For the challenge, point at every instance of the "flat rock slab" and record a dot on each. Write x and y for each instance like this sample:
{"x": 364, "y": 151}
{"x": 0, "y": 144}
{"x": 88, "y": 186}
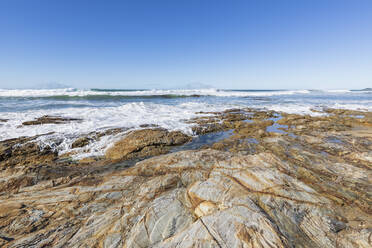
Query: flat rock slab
{"x": 202, "y": 198}
{"x": 47, "y": 119}
{"x": 146, "y": 142}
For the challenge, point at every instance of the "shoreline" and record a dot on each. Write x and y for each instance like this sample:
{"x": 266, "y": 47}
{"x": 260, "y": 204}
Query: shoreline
{"x": 294, "y": 180}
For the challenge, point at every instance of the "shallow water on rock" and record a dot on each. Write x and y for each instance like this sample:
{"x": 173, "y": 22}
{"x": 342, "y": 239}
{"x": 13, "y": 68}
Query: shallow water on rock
{"x": 196, "y": 143}
{"x": 334, "y": 140}
{"x": 205, "y": 139}
{"x": 275, "y": 128}
{"x": 357, "y": 116}
{"x": 252, "y": 141}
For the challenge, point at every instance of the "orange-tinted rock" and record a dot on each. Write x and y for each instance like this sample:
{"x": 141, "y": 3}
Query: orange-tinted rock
{"x": 142, "y": 143}
{"x": 253, "y": 189}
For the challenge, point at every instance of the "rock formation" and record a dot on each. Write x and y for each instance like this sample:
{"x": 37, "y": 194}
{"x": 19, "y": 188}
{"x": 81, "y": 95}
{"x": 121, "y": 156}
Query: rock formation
{"x": 279, "y": 180}
{"x": 144, "y": 143}
{"x": 46, "y": 119}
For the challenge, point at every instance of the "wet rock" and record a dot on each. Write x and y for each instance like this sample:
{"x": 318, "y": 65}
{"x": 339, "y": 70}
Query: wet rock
{"x": 148, "y": 125}
{"x": 47, "y": 119}
{"x": 81, "y": 142}
{"x": 111, "y": 131}
{"x": 146, "y": 142}
{"x": 94, "y": 137}
{"x": 219, "y": 121}
{"x": 24, "y": 151}
{"x": 207, "y": 128}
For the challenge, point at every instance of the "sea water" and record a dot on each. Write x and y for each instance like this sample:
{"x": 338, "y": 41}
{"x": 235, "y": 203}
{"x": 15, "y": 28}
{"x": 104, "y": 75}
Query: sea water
{"x": 102, "y": 109}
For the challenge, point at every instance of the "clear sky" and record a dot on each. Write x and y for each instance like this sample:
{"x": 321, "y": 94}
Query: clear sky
{"x": 260, "y": 44}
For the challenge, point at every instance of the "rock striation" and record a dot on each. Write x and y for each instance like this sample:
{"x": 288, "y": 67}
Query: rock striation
{"x": 270, "y": 184}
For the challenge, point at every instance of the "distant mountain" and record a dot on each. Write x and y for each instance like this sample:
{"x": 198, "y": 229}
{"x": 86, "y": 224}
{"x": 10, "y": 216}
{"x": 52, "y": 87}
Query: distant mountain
{"x": 197, "y": 86}
{"x": 51, "y": 85}
{"x": 365, "y": 89}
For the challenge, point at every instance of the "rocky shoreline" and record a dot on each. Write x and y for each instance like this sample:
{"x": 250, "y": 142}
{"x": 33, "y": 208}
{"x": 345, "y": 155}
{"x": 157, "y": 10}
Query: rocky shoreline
{"x": 257, "y": 179}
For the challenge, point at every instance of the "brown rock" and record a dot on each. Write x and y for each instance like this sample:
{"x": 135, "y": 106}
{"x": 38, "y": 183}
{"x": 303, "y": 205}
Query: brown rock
{"x": 23, "y": 151}
{"x": 47, "y": 119}
{"x": 81, "y": 142}
{"x": 207, "y": 128}
{"x": 257, "y": 190}
{"x": 145, "y": 142}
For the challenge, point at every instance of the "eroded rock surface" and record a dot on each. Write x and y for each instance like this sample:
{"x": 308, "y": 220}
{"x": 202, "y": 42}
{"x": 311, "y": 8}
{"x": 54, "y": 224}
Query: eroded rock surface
{"x": 279, "y": 180}
{"x": 94, "y": 137}
{"x": 144, "y": 143}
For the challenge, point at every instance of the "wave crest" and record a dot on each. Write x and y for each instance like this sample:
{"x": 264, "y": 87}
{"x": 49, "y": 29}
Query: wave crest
{"x": 106, "y": 93}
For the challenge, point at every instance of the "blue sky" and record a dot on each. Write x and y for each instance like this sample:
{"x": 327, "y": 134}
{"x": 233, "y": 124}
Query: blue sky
{"x": 259, "y": 44}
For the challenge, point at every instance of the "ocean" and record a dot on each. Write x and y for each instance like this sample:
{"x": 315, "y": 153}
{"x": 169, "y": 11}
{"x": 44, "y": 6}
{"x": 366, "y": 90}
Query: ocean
{"x": 103, "y": 109}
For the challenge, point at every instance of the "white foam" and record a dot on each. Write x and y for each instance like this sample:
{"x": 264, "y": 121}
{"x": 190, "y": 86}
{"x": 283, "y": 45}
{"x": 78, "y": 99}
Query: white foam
{"x": 178, "y": 92}
{"x": 346, "y": 91}
{"x": 37, "y": 92}
{"x": 295, "y": 109}
{"x": 130, "y": 115}
{"x": 338, "y": 91}
{"x": 352, "y": 106}
{"x": 306, "y": 109}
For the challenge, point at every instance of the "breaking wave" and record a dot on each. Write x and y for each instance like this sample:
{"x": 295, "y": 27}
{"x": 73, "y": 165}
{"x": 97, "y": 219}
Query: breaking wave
{"x": 92, "y": 94}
